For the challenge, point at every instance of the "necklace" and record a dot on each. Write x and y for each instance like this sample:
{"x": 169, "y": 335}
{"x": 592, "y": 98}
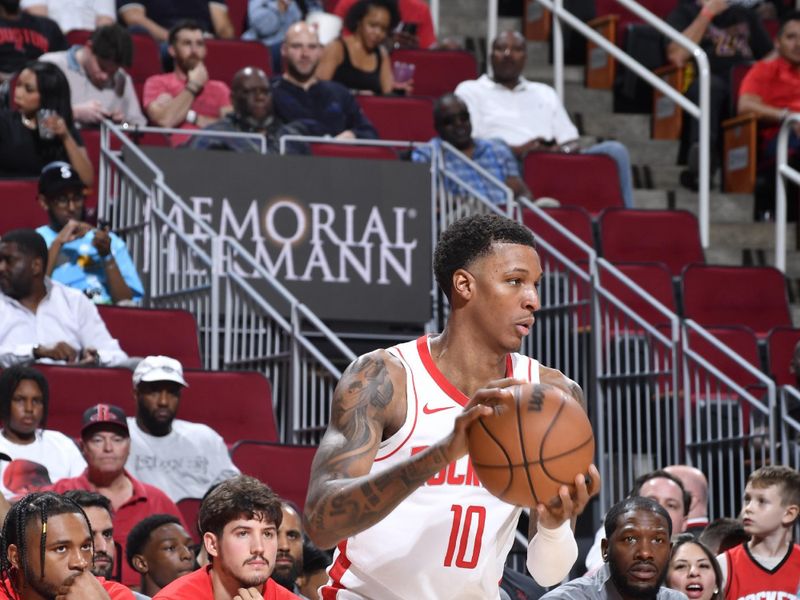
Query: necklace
{"x": 29, "y": 123}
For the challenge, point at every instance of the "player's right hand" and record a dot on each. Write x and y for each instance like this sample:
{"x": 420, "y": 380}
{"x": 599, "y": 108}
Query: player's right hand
{"x": 198, "y": 75}
{"x": 73, "y": 230}
{"x": 480, "y": 405}
{"x": 248, "y": 594}
{"x": 83, "y": 586}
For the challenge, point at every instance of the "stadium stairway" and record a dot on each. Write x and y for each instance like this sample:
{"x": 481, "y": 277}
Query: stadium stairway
{"x": 735, "y": 239}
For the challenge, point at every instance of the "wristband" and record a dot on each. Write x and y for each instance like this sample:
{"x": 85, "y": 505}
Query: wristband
{"x": 194, "y": 92}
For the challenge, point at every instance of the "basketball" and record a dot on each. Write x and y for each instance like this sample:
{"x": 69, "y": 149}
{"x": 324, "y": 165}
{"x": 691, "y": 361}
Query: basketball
{"x": 532, "y": 445}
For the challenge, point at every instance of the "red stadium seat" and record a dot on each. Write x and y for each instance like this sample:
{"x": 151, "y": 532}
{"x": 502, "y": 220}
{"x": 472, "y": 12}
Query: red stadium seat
{"x": 353, "y": 151}
{"x": 438, "y": 71}
{"x": 74, "y": 389}
{"x": 587, "y": 180}
{"x": 398, "y": 118}
{"x": 753, "y": 297}
{"x": 780, "y": 350}
{"x": 190, "y": 508}
{"x": 236, "y": 404}
{"x": 573, "y": 218}
{"x": 656, "y": 280}
{"x": 21, "y": 209}
{"x": 237, "y": 11}
{"x": 144, "y": 331}
{"x": 78, "y": 37}
{"x": 741, "y": 340}
{"x": 226, "y": 57}
{"x": 671, "y": 237}
{"x": 286, "y": 469}
{"x": 146, "y": 58}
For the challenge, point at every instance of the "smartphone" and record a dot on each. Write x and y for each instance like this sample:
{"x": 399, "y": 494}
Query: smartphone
{"x": 410, "y": 28}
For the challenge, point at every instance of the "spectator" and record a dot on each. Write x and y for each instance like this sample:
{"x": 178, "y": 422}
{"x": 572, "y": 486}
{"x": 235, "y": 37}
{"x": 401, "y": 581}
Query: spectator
{"x": 160, "y": 550}
{"x": 40, "y": 531}
{"x": 270, "y": 19}
{"x": 74, "y": 14}
{"x": 41, "y": 319}
{"x": 451, "y": 119}
{"x": 359, "y": 61}
{"x": 239, "y": 521}
{"x": 158, "y": 18}
{"x": 723, "y": 534}
{"x": 186, "y": 98}
{"x": 251, "y": 96}
{"x": 105, "y": 443}
{"x": 41, "y": 129}
{"x": 46, "y": 454}
{"x": 529, "y": 116}
{"x": 417, "y": 31}
{"x": 729, "y": 35}
{"x": 98, "y": 510}
{"x": 325, "y": 107}
{"x": 695, "y": 483}
{"x": 635, "y": 552}
{"x": 25, "y": 37}
{"x": 768, "y": 564}
{"x": 315, "y": 574}
{"x": 182, "y": 458}
{"x": 693, "y": 570}
{"x": 289, "y": 557}
{"x": 95, "y": 261}
{"x": 99, "y": 87}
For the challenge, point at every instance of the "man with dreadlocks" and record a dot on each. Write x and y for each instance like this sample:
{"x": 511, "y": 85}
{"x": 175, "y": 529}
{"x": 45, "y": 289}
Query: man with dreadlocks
{"x": 46, "y": 553}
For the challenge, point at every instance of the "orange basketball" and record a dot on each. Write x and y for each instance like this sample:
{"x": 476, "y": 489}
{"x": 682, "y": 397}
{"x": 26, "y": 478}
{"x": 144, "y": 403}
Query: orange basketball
{"x": 532, "y": 445}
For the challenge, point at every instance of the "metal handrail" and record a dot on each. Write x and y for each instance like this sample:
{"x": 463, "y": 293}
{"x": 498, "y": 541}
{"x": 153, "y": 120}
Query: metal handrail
{"x": 783, "y": 170}
{"x": 256, "y": 137}
{"x": 321, "y": 139}
{"x": 700, "y": 112}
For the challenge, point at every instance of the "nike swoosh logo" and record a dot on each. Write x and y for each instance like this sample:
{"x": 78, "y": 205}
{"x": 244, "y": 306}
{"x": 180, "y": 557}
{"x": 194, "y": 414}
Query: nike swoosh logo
{"x": 429, "y": 411}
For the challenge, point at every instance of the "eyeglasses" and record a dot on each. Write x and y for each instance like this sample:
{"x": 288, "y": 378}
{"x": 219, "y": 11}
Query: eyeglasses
{"x": 65, "y": 200}
{"x": 462, "y": 117}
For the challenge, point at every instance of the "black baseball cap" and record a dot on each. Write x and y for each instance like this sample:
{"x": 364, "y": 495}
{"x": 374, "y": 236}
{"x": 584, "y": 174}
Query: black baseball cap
{"x": 104, "y": 414}
{"x": 58, "y": 176}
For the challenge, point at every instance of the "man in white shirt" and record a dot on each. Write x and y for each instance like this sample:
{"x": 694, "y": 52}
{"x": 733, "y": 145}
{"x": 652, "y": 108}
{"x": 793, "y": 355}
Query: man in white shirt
{"x": 183, "y": 459}
{"x": 99, "y": 86}
{"x": 37, "y": 456}
{"x": 73, "y": 14}
{"x": 42, "y": 319}
{"x": 529, "y": 116}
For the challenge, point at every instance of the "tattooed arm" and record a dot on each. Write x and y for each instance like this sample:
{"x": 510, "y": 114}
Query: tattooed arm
{"x": 369, "y": 404}
{"x": 561, "y": 381}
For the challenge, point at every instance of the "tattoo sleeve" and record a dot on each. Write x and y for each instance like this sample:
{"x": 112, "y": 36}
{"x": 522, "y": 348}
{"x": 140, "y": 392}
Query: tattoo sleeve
{"x": 343, "y": 497}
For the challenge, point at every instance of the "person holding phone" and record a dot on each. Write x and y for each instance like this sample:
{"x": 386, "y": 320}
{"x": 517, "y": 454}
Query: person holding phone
{"x": 360, "y": 62}
{"x": 417, "y": 29}
{"x": 93, "y": 260}
{"x": 41, "y": 128}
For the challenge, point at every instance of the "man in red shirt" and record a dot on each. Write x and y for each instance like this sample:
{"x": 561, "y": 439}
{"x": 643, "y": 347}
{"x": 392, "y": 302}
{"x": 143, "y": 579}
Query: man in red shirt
{"x": 186, "y": 98}
{"x": 411, "y": 11}
{"x": 239, "y": 521}
{"x": 46, "y": 552}
{"x": 105, "y": 444}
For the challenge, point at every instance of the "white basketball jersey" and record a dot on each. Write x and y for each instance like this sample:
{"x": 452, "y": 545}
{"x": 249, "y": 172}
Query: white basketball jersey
{"x": 450, "y": 537}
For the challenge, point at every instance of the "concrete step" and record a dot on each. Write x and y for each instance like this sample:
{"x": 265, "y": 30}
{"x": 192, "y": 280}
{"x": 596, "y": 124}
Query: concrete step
{"x": 752, "y": 236}
{"x": 617, "y": 126}
{"x": 594, "y": 104}
{"x": 656, "y": 153}
{"x": 544, "y": 73}
{"x": 725, "y": 208}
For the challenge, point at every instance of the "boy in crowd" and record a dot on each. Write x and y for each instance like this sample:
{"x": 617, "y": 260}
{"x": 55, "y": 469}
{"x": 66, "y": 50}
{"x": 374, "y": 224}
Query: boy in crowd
{"x": 160, "y": 550}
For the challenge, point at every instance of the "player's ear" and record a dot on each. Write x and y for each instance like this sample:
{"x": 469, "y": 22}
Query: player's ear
{"x": 790, "y": 516}
{"x": 604, "y": 549}
{"x": 13, "y": 555}
{"x": 140, "y": 564}
{"x": 211, "y": 544}
{"x": 463, "y": 284}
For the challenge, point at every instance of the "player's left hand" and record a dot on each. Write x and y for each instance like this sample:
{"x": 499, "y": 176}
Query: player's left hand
{"x": 83, "y": 586}
{"x": 248, "y": 594}
{"x": 567, "y": 506}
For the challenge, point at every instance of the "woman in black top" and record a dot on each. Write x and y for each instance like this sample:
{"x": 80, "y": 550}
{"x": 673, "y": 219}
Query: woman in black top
{"x": 23, "y": 150}
{"x": 359, "y": 61}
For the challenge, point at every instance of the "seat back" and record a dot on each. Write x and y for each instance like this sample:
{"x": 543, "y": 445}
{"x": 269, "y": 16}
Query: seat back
{"x": 190, "y": 508}
{"x": 573, "y": 218}
{"x": 671, "y": 237}
{"x": 78, "y": 37}
{"x": 20, "y": 207}
{"x": 145, "y": 331}
{"x": 587, "y": 180}
{"x": 398, "y": 118}
{"x": 438, "y": 71}
{"x": 738, "y": 73}
{"x": 225, "y": 57}
{"x": 754, "y": 297}
{"x": 236, "y": 404}
{"x": 655, "y": 278}
{"x": 237, "y": 11}
{"x": 353, "y": 151}
{"x": 781, "y": 343}
{"x": 146, "y": 59}
{"x": 286, "y": 469}
{"x": 741, "y": 340}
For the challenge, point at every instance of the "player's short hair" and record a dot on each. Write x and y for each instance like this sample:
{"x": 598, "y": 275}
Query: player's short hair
{"x": 240, "y": 497}
{"x": 792, "y": 15}
{"x": 786, "y": 478}
{"x": 359, "y": 10}
{"x": 470, "y": 238}
{"x": 10, "y": 379}
{"x": 140, "y": 534}
{"x": 87, "y": 499}
{"x": 114, "y": 43}
{"x": 182, "y": 25}
{"x": 633, "y": 503}
{"x": 659, "y": 474}
{"x": 723, "y": 534}
{"x": 29, "y": 242}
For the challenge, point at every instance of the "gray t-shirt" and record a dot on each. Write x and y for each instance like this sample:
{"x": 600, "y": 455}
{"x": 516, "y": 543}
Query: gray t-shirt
{"x": 600, "y": 587}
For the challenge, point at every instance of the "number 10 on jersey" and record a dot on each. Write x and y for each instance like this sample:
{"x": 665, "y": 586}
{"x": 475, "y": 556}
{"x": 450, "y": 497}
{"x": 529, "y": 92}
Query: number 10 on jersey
{"x": 466, "y": 534}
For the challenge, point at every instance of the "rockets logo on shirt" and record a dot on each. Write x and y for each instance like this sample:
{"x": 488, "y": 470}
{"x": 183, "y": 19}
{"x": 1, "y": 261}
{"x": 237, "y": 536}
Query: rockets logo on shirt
{"x": 454, "y": 474}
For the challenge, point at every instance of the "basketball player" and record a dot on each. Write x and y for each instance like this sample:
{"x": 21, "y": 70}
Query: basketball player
{"x": 391, "y": 483}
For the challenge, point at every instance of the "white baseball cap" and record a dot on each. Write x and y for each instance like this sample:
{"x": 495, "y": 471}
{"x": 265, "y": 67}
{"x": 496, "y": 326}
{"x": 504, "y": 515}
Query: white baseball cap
{"x": 159, "y": 368}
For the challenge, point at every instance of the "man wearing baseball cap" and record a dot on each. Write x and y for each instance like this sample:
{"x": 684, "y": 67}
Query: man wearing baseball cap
{"x": 95, "y": 261}
{"x": 180, "y": 457}
{"x": 105, "y": 443}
